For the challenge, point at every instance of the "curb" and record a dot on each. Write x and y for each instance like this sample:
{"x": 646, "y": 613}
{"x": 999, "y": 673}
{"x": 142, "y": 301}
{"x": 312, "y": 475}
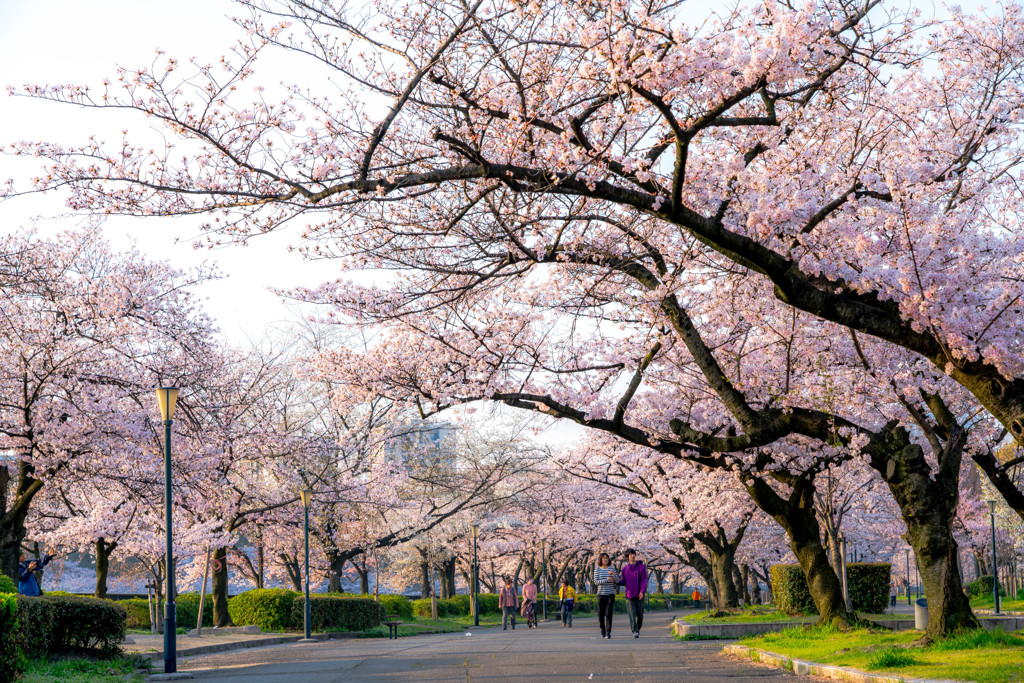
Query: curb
{"x": 742, "y": 630}
{"x": 246, "y": 645}
{"x": 837, "y": 673}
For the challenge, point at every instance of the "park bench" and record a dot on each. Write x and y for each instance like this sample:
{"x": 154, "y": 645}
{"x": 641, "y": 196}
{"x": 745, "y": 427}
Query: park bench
{"x": 392, "y": 625}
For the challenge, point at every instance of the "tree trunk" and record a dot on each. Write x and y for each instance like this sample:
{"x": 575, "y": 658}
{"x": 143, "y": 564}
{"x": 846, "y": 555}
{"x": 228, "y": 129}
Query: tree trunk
{"x": 260, "y": 565}
{"x": 219, "y": 588}
{"x": 722, "y": 565}
{"x": 659, "y": 579}
{"x": 675, "y": 583}
{"x": 293, "y": 570}
{"x": 103, "y": 552}
{"x": 796, "y": 515}
{"x": 426, "y": 589}
{"x": 928, "y": 501}
{"x": 746, "y": 585}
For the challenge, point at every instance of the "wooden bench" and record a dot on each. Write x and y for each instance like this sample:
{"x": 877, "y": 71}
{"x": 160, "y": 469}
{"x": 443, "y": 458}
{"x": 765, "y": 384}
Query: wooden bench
{"x": 392, "y": 628}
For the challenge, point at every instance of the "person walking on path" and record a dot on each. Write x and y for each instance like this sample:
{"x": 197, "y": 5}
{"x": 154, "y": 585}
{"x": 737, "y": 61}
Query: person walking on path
{"x": 507, "y": 603}
{"x": 529, "y": 609}
{"x": 566, "y": 601}
{"x": 606, "y": 580}
{"x": 634, "y": 578}
{"x": 893, "y": 592}
{"x": 27, "y": 584}
{"x": 696, "y": 598}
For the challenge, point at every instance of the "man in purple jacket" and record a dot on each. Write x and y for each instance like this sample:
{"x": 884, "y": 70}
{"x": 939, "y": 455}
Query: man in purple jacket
{"x": 634, "y": 578}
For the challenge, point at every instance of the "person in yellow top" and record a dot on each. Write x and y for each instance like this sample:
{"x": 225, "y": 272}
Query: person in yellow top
{"x": 567, "y": 598}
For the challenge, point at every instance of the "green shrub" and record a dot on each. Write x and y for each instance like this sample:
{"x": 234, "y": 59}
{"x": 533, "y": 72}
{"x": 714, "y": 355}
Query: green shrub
{"x": 86, "y": 624}
{"x": 188, "y": 610}
{"x": 398, "y": 605}
{"x": 789, "y": 586}
{"x": 8, "y": 585}
{"x": 981, "y": 586}
{"x": 488, "y": 603}
{"x": 268, "y": 608}
{"x": 138, "y": 612}
{"x": 338, "y": 612}
{"x": 448, "y": 607}
{"x": 12, "y": 661}
{"x": 869, "y": 583}
{"x": 463, "y": 602}
{"x": 35, "y": 627}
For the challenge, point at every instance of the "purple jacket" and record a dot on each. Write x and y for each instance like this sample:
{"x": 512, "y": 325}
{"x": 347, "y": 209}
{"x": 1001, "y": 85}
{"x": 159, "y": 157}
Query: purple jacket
{"x": 634, "y": 578}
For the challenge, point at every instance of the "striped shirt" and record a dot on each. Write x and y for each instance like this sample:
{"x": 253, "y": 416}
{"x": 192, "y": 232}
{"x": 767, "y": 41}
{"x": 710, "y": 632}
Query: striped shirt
{"x": 605, "y": 579}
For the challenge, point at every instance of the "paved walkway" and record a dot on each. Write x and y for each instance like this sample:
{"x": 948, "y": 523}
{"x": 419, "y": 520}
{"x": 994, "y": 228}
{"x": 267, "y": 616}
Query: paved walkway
{"x": 549, "y": 653}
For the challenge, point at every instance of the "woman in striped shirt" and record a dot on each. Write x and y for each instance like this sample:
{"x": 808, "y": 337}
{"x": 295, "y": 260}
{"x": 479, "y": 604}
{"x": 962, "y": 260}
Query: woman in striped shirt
{"x": 606, "y": 580}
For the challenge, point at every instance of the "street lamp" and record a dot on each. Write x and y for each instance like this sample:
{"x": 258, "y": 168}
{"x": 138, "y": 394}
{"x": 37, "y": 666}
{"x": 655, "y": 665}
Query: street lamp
{"x": 544, "y": 578}
{"x": 306, "y": 495}
{"x": 995, "y": 570}
{"x": 167, "y": 399}
{"x": 476, "y": 578}
{"x": 908, "y": 577}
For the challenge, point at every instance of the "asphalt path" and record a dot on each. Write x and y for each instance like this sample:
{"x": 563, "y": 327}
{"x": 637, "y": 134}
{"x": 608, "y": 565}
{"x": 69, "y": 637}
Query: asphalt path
{"x": 547, "y": 653}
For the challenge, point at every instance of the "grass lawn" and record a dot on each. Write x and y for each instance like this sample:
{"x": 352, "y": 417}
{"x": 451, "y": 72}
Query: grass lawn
{"x": 81, "y": 670}
{"x": 1006, "y": 604}
{"x": 762, "y": 613}
{"x": 984, "y": 656}
{"x": 427, "y": 625}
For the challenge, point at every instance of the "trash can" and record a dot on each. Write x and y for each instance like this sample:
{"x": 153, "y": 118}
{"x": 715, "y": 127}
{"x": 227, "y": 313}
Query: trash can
{"x": 921, "y": 614}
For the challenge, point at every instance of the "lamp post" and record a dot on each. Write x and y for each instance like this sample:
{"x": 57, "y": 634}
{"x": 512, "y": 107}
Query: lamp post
{"x": 544, "y": 578}
{"x": 306, "y": 495}
{"x": 908, "y": 577}
{"x": 995, "y": 570}
{"x": 476, "y": 578}
{"x": 842, "y": 552}
{"x": 167, "y": 399}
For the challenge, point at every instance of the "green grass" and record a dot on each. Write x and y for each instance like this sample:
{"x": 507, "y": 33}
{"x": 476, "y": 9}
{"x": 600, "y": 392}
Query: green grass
{"x": 762, "y": 613}
{"x": 82, "y": 670}
{"x": 1006, "y": 604}
{"x": 419, "y": 625}
{"x": 984, "y": 656}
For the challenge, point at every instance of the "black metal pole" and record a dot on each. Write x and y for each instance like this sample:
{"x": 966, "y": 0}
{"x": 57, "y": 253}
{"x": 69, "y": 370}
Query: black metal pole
{"x": 476, "y": 585}
{"x": 995, "y": 570}
{"x": 544, "y": 578}
{"x": 170, "y": 623}
{"x": 305, "y": 527}
{"x": 908, "y": 576}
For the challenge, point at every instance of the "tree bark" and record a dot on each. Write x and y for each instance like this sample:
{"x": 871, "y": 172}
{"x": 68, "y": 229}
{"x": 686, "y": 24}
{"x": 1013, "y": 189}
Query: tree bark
{"x": 928, "y": 501}
{"x": 797, "y": 517}
{"x": 103, "y": 552}
{"x": 219, "y": 588}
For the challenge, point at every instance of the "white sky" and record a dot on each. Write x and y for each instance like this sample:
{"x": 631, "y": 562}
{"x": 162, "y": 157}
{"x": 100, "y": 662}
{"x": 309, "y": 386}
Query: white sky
{"x": 71, "y": 41}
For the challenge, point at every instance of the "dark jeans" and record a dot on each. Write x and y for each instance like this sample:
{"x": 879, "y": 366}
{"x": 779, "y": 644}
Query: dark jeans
{"x": 605, "y": 608}
{"x": 567, "y": 606}
{"x": 635, "y": 609}
{"x": 892, "y": 601}
{"x": 506, "y": 613}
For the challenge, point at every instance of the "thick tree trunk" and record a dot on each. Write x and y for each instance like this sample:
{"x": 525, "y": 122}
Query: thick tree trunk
{"x": 675, "y": 583}
{"x": 219, "y": 588}
{"x": 426, "y": 588}
{"x": 659, "y": 579}
{"x": 293, "y": 570}
{"x": 928, "y": 501}
{"x": 103, "y": 552}
{"x": 722, "y": 565}
{"x": 745, "y": 578}
{"x": 797, "y": 517}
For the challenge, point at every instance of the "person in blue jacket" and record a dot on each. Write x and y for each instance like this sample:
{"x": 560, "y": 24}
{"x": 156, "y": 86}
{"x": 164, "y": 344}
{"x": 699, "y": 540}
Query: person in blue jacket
{"x": 27, "y": 584}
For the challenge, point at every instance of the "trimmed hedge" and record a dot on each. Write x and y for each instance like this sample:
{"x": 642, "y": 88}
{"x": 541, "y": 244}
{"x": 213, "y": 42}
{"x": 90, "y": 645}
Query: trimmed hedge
{"x": 448, "y": 607}
{"x": 86, "y": 623}
{"x": 7, "y": 585}
{"x": 138, "y": 612}
{"x": 12, "y": 661}
{"x": 188, "y": 610}
{"x": 268, "y": 608}
{"x": 399, "y": 605}
{"x": 337, "y": 612}
{"x": 983, "y": 585}
{"x": 35, "y": 621}
{"x": 868, "y": 583}
{"x": 488, "y": 603}
{"x": 789, "y": 586}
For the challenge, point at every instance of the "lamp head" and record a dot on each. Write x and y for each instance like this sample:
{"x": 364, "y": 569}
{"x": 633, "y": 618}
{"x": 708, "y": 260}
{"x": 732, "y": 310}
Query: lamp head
{"x": 476, "y": 529}
{"x": 306, "y": 496}
{"x": 991, "y": 507}
{"x": 167, "y": 399}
